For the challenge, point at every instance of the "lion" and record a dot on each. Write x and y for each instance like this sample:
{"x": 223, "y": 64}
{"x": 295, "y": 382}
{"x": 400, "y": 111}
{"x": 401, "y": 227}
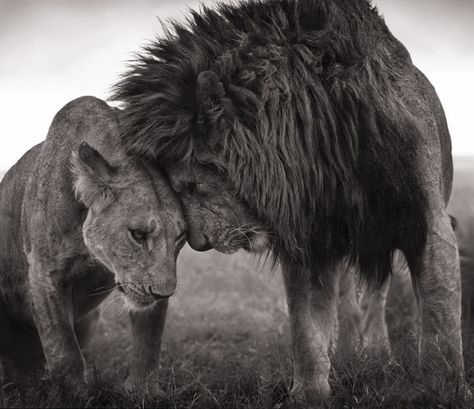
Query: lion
{"x": 79, "y": 219}
{"x": 303, "y": 128}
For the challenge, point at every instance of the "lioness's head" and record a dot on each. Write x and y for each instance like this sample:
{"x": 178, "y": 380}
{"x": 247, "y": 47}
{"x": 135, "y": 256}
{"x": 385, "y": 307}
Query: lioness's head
{"x": 216, "y": 217}
{"x": 134, "y": 224}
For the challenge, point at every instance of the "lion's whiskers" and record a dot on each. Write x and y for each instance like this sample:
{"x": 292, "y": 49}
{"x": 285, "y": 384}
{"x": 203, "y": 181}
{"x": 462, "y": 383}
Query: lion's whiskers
{"x": 240, "y": 235}
{"x": 257, "y": 229}
{"x": 238, "y": 232}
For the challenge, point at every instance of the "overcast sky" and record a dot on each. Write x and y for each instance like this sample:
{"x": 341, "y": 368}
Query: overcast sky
{"x": 52, "y": 51}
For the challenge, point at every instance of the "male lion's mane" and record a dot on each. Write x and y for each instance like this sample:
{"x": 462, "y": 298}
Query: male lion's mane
{"x": 309, "y": 124}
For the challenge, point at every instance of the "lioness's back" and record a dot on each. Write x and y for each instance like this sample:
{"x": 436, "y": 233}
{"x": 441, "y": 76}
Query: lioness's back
{"x": 13, "y": 265}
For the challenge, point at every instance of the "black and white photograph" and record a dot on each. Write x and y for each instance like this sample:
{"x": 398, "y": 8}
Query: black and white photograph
{"x": 226, "y": 204}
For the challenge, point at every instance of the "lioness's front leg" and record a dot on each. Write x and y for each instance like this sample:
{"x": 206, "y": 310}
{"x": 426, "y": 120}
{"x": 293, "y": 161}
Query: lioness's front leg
{"x": 53, "y": 316}
{"x": 438, "y": 282}
{"x": 312, "y": 309}
{"x": 147, "y": 330}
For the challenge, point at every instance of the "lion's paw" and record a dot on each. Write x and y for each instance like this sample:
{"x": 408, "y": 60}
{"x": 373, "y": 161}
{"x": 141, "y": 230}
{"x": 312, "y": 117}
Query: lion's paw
{"x": 312, "y": 397}
{"x": 76, "y": 386}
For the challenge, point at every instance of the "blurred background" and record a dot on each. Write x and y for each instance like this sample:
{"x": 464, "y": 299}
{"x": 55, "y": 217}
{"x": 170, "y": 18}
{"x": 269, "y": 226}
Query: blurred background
{"x": 227, "y": 331}
{"x": 52, "y": 51}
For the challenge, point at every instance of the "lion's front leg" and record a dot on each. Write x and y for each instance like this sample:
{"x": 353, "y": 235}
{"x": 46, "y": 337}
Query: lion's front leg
{"x": 312, "y": 311}
{"x": 438, "y": 283}
{"x": 375, "y": 331}
{"x": 53, "y": 316}
{"x": 147, "y": 330}
{"x": 349, "y": 314}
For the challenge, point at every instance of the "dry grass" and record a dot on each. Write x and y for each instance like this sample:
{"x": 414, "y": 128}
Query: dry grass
{"x": 226, "y": 345}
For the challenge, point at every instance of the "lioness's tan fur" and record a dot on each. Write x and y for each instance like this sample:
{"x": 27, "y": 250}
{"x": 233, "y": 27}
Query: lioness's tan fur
{"x": 62, "y": 252}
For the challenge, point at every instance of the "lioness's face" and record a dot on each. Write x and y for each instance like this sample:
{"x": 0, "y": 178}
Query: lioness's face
{"x": 134, "y": 226}
{"x": 216, "y": 217}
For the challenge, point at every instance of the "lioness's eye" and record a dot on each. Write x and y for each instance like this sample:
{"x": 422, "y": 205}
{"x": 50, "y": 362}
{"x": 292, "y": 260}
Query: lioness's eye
{"x": 200, "y": 188}
{"x": 181, "y": 239}
{"x": 137, "y": 236}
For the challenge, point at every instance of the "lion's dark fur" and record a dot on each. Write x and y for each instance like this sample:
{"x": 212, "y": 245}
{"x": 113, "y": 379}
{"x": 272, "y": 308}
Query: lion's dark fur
{"x": 310, "y": 126}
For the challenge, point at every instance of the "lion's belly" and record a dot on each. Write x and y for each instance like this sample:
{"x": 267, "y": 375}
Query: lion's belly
{"x": 90, "y": 290}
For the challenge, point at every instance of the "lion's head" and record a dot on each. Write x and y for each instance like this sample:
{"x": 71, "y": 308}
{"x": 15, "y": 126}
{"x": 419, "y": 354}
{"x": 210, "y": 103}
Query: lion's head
{"x": 134, "y": 224}
{"x": 216, "y": 217}
{"x": 299, "y": 118}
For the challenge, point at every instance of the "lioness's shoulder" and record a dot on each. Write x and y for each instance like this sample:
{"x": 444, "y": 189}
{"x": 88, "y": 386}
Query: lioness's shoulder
{"x": 85, "y": 107}
{"x": 84, "y": 119}
{"x": 49, "y": 193}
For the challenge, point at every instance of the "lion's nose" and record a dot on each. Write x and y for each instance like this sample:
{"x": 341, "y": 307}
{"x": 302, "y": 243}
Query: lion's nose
{"x": 160, "y": 295}
{"x": 199, "y": 242}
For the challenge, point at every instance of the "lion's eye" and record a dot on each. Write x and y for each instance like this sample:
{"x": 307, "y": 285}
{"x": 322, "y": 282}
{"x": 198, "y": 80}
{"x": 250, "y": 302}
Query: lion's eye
{"x": 137, "y": 236}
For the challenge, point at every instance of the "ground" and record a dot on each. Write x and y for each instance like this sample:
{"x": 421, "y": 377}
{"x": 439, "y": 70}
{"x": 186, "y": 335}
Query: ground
{"x": 226, "y": 344}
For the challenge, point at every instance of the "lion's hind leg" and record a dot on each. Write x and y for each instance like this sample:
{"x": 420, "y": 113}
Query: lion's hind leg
{"x": 438, "y": 286}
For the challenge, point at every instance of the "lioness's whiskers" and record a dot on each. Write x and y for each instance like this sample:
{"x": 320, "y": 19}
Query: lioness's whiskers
{"x": 121, "y": 310}
{"x": 110, "y": 302}
{"x": 108, "y": 290}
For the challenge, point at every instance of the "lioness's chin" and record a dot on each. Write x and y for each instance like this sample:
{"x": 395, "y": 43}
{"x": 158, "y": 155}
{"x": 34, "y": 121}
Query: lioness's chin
{"x": 134, "y": 305}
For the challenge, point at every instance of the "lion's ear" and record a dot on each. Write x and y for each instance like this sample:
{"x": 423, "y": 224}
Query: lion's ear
{"x": 214, "y": 106}
{"x": 92, "y": 178}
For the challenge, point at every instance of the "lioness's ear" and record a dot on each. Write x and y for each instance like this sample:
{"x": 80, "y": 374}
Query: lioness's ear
{"x": 92, "y": 178}
{"x": 214, "y": 106}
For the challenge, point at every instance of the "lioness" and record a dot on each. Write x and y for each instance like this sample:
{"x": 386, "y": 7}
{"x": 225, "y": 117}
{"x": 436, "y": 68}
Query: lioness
{"x": 76, "y": 223}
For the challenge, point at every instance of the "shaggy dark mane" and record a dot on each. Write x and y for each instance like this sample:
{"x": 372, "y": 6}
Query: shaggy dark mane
{"x": 311, "y": 128}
